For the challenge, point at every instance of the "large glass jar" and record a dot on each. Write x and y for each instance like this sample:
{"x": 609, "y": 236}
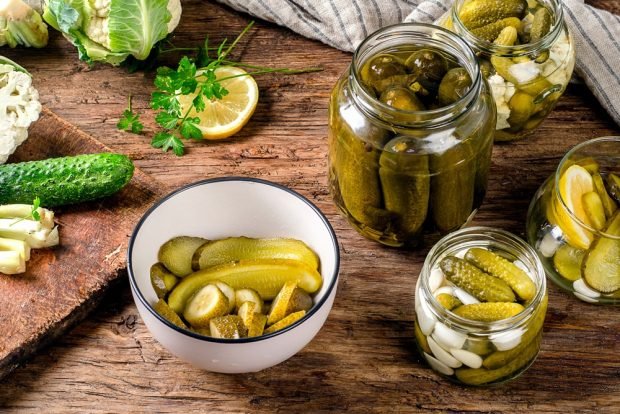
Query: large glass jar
{"x": 399, "y": 174}
{"x": 574, "y": 222}
{"x": 526, "y": 79}
{"x": 489, "y": 350}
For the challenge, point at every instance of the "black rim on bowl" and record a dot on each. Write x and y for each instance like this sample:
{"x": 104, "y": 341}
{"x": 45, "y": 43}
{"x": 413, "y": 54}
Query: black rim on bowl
{"x": 315, "y": 308}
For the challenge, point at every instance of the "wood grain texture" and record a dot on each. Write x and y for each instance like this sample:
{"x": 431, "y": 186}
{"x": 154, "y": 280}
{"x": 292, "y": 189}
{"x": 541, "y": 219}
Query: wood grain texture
{"x": 62, "y": 284}
{"x": 364, "y": 359}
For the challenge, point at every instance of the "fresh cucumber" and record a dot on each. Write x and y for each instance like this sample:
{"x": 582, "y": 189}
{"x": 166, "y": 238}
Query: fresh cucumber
{"x": 66, "y": 180}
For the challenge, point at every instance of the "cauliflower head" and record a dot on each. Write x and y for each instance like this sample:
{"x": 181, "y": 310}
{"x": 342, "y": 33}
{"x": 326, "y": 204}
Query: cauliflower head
{"x": 19, "y": 107}
{"x": 112, "y": 30}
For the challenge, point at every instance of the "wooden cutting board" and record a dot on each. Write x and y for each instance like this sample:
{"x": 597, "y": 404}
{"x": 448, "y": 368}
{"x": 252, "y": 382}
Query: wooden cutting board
{"x": 62, "y": 284}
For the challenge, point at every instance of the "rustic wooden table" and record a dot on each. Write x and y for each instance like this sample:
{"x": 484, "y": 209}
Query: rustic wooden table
{"x": 364, "y": 359}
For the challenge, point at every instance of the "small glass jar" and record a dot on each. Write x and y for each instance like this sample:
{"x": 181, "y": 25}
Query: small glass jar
{"x": 399, "y": 174}
{"x": 526, "y": 80}
{"x": 474, "y": 352}
{"x": 580, "y": 251}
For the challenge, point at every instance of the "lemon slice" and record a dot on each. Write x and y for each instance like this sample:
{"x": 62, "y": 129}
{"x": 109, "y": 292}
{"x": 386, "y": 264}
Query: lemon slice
{"x": 224, "y": 117}
{"x": 574, "y": 183}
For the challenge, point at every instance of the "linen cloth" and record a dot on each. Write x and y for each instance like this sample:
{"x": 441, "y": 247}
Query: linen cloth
{"x": 343, "y": 24}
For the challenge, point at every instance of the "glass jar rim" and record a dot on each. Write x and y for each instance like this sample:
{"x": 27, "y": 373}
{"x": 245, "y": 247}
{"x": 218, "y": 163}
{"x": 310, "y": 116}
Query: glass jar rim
{"x": 488, "y": 328}
{"x": 510, "y": 51}
{"x": 427, "y": 118}
{"x": 558, "y": 175}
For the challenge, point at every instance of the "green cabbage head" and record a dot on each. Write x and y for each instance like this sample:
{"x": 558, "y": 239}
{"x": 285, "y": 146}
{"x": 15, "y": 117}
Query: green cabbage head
{"x": 112, "y": 30}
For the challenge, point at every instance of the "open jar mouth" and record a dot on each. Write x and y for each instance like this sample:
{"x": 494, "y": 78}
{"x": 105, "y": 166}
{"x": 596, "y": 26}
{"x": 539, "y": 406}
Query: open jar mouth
{"x": 414, "y": 34}
{"x": 570, "y": 156}
{"x": 491, "y": 48}
{"x": 488, "y": 237}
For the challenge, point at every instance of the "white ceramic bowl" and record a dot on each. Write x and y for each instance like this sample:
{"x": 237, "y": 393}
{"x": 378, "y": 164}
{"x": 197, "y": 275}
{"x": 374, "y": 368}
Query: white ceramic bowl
{"x": 227, "y": 207}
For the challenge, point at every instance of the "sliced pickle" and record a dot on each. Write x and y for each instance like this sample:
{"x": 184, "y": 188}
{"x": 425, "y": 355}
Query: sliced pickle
{"x": 228, "y": 327}
{"x": 162, "y": 308}
{"x": 232, "y": 249}
{"x": 613, "y": 185}
{"x": 253, "y": 320}
{"x": 448, "y": 301}
{"x": 593, "y": 207}
{"x": 176, "y": 254}
{"x": 468, "y": 277}
{"x": 162, "y": 280}
{"x": 421, "y": 339}
{"x": 601, "y": 266}
{"x": 283, "y": 323}
{"x": 609, "y": 205}
{"x": 207, "y": 303}
{"x": 589, "y": 164}
{"x": 264, "y": 276}
{"x": 289, "y": 300}
{"x": 229, "y": 292}
{"x": 567, "y": 261}
{"x": 248, "y": 295}
{"x": 480, "y": 376}
{"x": 501, "y": 268}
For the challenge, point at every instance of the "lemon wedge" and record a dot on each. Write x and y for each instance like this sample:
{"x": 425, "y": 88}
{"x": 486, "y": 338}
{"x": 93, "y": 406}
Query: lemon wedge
{"x": 224, "y": 117}
{"x": 574, "y": 183}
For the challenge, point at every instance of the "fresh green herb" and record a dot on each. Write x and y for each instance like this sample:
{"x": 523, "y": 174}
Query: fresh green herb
{"x": 34, "y": 212}
{"x": 36, "y": 203}
{"x": 195, "y": 76}
{"x": 130, "y": 121}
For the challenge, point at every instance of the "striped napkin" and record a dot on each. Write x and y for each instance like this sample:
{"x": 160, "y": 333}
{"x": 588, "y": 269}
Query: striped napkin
{"x": 345, "y": 23}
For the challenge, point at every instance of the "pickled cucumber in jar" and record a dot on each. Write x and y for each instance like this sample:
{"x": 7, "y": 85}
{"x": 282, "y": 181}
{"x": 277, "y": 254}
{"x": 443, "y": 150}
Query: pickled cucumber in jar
{"x": 526, "y": 54}
{"x": 406, "y": 156}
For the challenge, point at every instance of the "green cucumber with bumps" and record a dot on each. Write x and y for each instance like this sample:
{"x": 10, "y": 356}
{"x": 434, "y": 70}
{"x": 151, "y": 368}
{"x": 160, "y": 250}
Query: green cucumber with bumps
{"x": 65, "y": 180}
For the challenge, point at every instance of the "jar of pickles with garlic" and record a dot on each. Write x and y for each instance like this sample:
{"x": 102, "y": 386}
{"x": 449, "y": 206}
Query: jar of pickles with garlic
{"x": 526, "y": 53}
{"x": 480, "y": 304}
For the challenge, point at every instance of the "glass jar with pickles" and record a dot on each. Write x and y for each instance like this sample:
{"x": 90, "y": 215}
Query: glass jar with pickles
{"x": 526, "y": 53}
{"x": 410, "y": 135}
{"x": 574, "y": 222}
{"x": 480, "y": 304}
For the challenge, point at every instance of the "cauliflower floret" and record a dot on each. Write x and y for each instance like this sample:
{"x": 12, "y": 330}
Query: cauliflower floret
{"x": 19, "y": 107}
{"x": 97, "y": 29}
{"x": 500, "y": 89}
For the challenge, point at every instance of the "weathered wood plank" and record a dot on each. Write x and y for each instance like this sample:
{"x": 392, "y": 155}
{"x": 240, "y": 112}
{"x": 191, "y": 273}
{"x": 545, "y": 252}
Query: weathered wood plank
{"x": 364, "y": 359}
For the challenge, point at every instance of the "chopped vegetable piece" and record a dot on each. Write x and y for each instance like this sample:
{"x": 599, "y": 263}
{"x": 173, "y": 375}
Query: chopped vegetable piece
{"x": 248, "y": 295}
{"x": 11, "y": 263}
{"x": 19, "y": 246}
{"x": 283, "y": 323}
{"x": 289, "y": 300}
{"x": 207, "y": 303}
{"x": 567, "y": 261}
{"x": 228, "y": 327}
{"x": 601, "y": 267}
{"x": 162, "y": 280}
{"x": 218, "y": 252}
{"x": 176, "y": 254}
{"x": 162, "y": 308}
{"x": 264, "y": 276}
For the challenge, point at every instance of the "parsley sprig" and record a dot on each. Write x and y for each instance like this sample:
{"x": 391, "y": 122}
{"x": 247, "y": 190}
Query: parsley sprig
{"x": 130, "y": 121}
{"x": 194, "y": 76}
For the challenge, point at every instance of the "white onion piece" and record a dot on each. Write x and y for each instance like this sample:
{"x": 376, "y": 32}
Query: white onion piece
{"x": 438, "y": 365}
{"x": 448, "y": 338}
{"x": 466, "y": 357}
{"x": 507, "y": 340}
{"x": 465, "y": 297}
